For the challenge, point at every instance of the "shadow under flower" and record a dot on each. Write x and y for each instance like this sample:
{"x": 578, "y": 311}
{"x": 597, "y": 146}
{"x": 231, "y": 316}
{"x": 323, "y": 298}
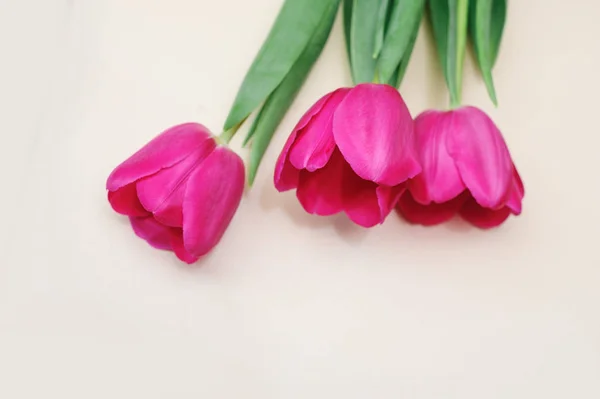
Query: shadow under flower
{"x": 458, "y": 225}
{"x": 270, "y": 200}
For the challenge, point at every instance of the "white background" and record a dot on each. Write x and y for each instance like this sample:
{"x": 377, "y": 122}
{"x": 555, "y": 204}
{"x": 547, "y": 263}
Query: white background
{"x": 289, "y": 305}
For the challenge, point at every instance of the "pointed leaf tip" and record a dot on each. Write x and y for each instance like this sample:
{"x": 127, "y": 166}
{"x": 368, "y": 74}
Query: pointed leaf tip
{"x": 486, "y": 25}
{"x": 449, "y": 19}
{"x": 292, "y": 30}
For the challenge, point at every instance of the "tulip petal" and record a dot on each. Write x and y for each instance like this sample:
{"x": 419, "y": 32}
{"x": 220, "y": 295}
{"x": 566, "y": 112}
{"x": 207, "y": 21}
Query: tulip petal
{"x": 428, "y": 215}
{"x": 440, "y": 181}
{"x": 170, "y": 211}
{"x": 156, "y": 234}
{"x": 374, "y": 131}
{"x": 320, "y": 192}
{"x": 516, "y": 194}
{"x": 179, "y": 249}
{"x": 481, "y": 217}
{"x": 125, "y": 201}
{"x": 314, "y": 143}
{"x": 388, "y": 197}
{"x": 361, "y": 201}
{"x": 165, "y": 150}
{"x": 286, "y": 176}
{"x": 162, "y": 193}
{"x": 481, "y": 156}
{"x": 213, "y": 194}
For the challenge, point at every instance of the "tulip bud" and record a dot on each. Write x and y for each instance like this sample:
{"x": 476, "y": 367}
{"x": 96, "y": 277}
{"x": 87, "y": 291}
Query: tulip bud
{"x": 467, "y": 169}
{"x": 351, "y": 152}
{"x": 180, "y": 190}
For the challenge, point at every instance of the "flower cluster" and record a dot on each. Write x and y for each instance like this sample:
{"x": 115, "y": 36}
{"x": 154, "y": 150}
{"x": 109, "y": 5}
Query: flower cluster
{"x": 356, "y": 151}
{"x": 359, "y": 151}
{"x": 180, "y": 190}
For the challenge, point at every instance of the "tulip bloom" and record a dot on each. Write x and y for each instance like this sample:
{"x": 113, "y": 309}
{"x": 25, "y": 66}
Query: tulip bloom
{"x": 180, "y": 190}
{"x": 351, "y": 152}
{"x": 467, "y": 169}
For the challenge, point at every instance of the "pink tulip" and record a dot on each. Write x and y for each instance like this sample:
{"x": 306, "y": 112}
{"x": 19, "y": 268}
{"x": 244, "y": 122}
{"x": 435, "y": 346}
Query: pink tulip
{"x": 467, "y": 169}
{"x": 351, "y": 152}
{"x": 180, "y": 190}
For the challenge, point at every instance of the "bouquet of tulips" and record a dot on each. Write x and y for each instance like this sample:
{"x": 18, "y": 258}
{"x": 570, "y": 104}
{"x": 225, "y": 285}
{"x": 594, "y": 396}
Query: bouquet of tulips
{"x": 357, "y": 150}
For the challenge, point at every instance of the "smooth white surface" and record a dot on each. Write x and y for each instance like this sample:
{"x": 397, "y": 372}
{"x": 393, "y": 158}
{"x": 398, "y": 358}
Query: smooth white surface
{"x": 289, "y": 305}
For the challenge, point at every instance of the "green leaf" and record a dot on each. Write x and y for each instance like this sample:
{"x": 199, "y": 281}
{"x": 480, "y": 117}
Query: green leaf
{"x": 405, "y": 17}
{"x": 363, "y": 32}
{"x": 486, "y": 24}
{"x": 291, "y": 32}
{"x": 382, "y": 25}
{"x": 347, "y": 12}
{"x": 450, "y": 19}
{"x": 462, "y": 23}
{"x": 497, "y": 27}
{"x": 439, "y": 15}
{"x": 395, "y": 79}
{"x": 272, "y": 112}
{"x": 398, "y": 76}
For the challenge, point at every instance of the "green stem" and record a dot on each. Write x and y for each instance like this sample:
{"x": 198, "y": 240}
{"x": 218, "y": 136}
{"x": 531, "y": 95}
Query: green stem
{"x": 454, "y": 102}
{"x": 462, "y": 24}
{"x": 376, "y": 78}
{"x": 228, "y": 134}
{"x": 455, "y": 47}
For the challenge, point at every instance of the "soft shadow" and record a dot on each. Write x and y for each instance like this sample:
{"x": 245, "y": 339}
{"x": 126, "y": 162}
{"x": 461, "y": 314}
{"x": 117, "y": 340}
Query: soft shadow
{"x": 458, "y": 225}
{"x": 270, "y": 200}
{"x": 348, "y": 230}
{"x": 121, "y": 220}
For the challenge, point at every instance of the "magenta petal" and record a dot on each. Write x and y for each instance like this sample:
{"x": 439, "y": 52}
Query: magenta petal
{"x": 314, "y": 110}
{"x": 320, "y": 192}
{"x": 516, "y": 194}
{"x": 286, "y": 176}
{"x": 481, "y": 156}
{"x": 428, "y": 215}
{"x": 126, "y": 202}
{"x": 483, "y": 218}
{"x": 440, "y": 181}
{"x": 163, "y": 151}
{"x": 179, "y": 249}
{"x": 170, "y": 212}
{"x": 361, "y": 202}
{"x": 374, "y": 131}
{"x": 315, "y": 144}
{"x": 163, "y": 192}
{"x": 153, "y": 232}
{"x": 388, "y": 197}
{"x": 213, "y": 194}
